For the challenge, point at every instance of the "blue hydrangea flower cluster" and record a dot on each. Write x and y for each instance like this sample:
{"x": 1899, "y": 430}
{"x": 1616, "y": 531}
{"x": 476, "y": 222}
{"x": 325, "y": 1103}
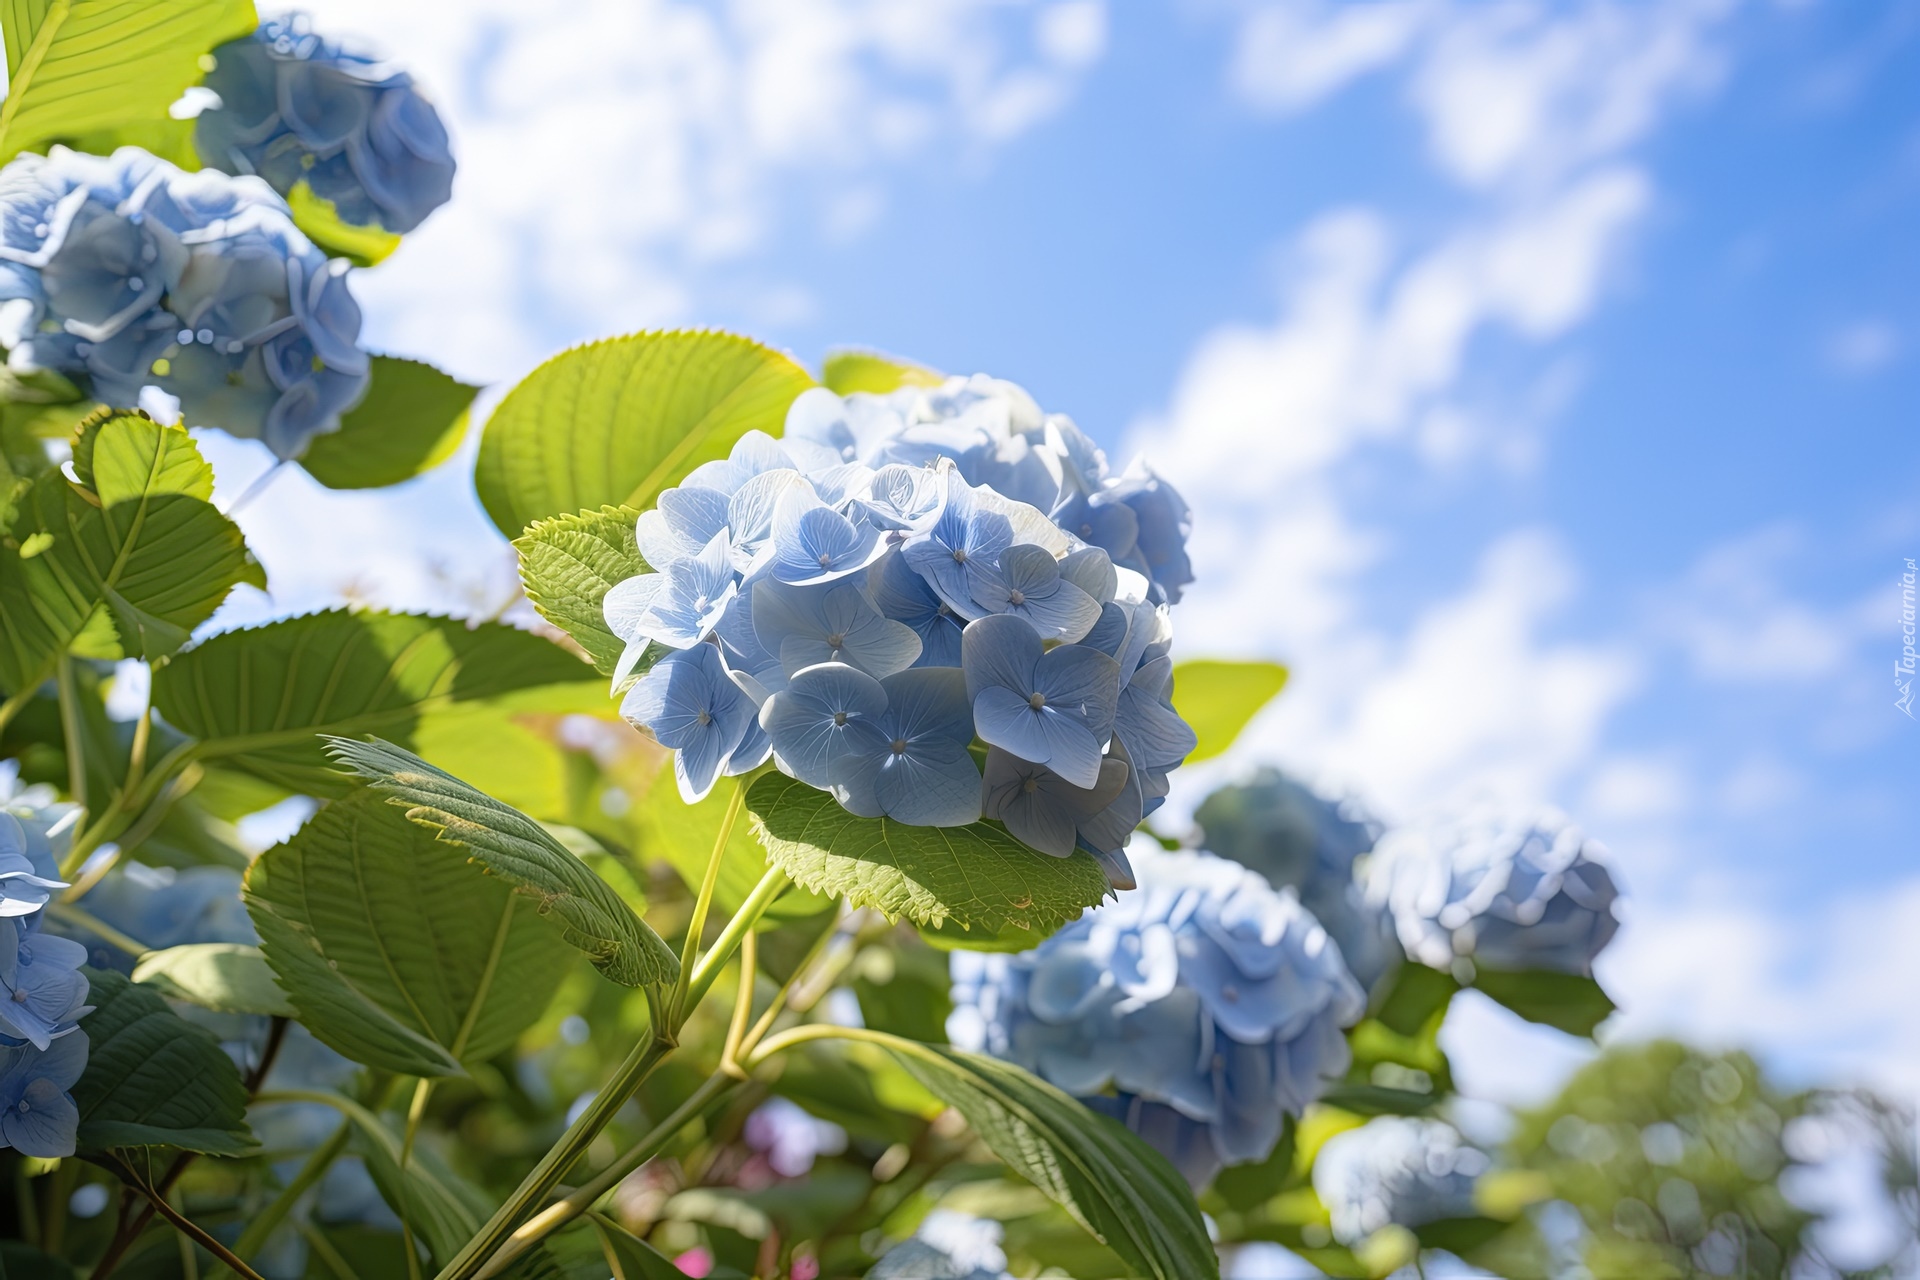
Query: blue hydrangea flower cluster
{"x": 295, "y": 107}
{"x": 1198, "y": 1009}
{"x": 43, "y": 994}
{"x": 862, "y": 614}
{"x": 997, "y": 436}
{"x": 124, "y": 272}
{"x": 1300, "y": 840}
{"x": 947, "y": 1245}
{"x": 1493, "y": 887}
{"x": 1395, "y": 1171}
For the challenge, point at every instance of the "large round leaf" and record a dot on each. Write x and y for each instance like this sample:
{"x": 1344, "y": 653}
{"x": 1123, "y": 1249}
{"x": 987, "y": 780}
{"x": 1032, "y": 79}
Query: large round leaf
{"x": 395, "y": 949}
{"x": 613, "y": 423}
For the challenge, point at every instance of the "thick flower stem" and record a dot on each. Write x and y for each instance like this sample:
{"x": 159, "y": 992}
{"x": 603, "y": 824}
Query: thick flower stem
{"x": 771, "y": 886}
{"x": 627, "y": 1079}
{"x": 262, "y": 1224}
{"x": 559, "y": 1214}
{"x": 678, "y": 1006}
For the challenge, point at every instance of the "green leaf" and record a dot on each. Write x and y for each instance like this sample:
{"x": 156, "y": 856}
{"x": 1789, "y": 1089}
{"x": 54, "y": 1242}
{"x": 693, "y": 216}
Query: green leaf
{"x": 949, "y": 936}
{"x": 1114, "y": 1184}
{"x": 684, "y": 834}
{"x": 227, "y": 977}
{"x": 1219, "y": 699}
{"x": 153, "y": 1079}
{"x": 395, "y": 950}
{"x": 976, "y": 875}
{"x": 1379, "y": 1100}
{"x": 851, "y": 369}
{"x": 614, "y": 422}
{"x": 1409, "y": 997}
{"x": 412, "y": 420}
{"x": 569, "y": 563}
{"x": 321, "y": 221}
{"x": 1570, "y": 1002}
{"x": 486, "y": 699}
{"x": 1245, "y": 1186}
{"x": 79, "y": 65}
{"x": 126, "y": 562}
{"x": 24, "y": 1262}
{"x": 521, "y": 852}
{"x": 631, "y": 1258}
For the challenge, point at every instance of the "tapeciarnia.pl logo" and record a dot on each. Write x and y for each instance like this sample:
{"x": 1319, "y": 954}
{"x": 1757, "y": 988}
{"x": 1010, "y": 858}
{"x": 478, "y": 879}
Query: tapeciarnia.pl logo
{"x": 1903, "y": 666}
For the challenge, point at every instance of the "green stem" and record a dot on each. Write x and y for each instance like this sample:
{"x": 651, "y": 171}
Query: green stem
{"x": 11, "y": 707}
{"x": 70, "y": 730}
{"x": 324, "y": 1250}
{"x": 421, "y": 1091}
{"x": 771, "y": 886}
{"x": 557, "y": 1215}
{"x": 187, "y": 1227}
{"x": 627, "y": 1079}
{"x": 703, "y": 902}
{"x": 792, "y": 1036}
{"x": 262, "y": 1224}
{"x": 80, "y": 919}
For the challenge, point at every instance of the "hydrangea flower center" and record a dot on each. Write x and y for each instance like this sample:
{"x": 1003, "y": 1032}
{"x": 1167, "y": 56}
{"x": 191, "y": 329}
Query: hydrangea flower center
{"x": 1016, "y": 596}
{"x": 826, "y": 561}
{"x": 19, "y": 997}
{"x": 1037, "y": 701}
{"x": 899, "y": 746}
{"x": 1030, "y": 786}
{"x": 837, "y": 640}
{"x": 839, "y": 717}
{"x": 960, "y": 555}
{"x": 706, "y": 717}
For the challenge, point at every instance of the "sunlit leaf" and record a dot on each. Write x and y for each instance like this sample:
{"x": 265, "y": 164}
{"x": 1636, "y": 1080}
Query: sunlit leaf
{"x": 1220, "y": 698}
{"x": 976, "y": 875}
{"x": 612, "y": 423}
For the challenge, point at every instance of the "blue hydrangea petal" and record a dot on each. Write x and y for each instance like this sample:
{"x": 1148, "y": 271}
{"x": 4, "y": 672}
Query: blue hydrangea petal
{"x": 696, "y": 592}
{"x": 683, "y": 523}
{"x": 929, "y": 702}
{"x": 1155, "y": 733}
{"x": 813, "y": 543}
{"x": 910, "y": 499}
{"x": 998, "y": 651}
{"x": 751, "y": 510}
{"x": 816, "y": 719}
{"x": 690, "y": 704}
{"x": 1081, "y": 680}
{"x": 903, "y": 595}
{"x": 43, "y": 1122}
{"x": 1067, "y": 982}
{"x": 934, "y": 783}
{"x": 1091, "y": 570}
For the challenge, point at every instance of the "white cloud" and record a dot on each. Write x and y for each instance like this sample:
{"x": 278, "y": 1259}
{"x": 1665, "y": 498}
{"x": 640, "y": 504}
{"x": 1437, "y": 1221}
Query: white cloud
{"x": 1290, "y": 55}
{"x": 1507, "y": 91}
{"x": 1863, "y": 347}
{"x": 1737, "y": 622}
{"x": 613, "y": 151}
{"x": 1815, "y": 984}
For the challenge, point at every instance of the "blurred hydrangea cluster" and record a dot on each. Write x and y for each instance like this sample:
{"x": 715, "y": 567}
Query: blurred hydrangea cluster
{"x": 1396, "y": 1171}
{"x": 1496, "y": 888}
{"x": 295, "y": 107}
{"x": 1198, "y": 1009}
{"x": 947, "y": 1245}
{"x": 43, "y": 994}
{"x": 1300, "y": 840}
{"x": 123, "y": 272}
{"x": 899, "y": 576}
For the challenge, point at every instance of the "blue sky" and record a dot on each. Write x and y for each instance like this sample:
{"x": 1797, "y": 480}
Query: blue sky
{"x": 1544, "y": 378}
